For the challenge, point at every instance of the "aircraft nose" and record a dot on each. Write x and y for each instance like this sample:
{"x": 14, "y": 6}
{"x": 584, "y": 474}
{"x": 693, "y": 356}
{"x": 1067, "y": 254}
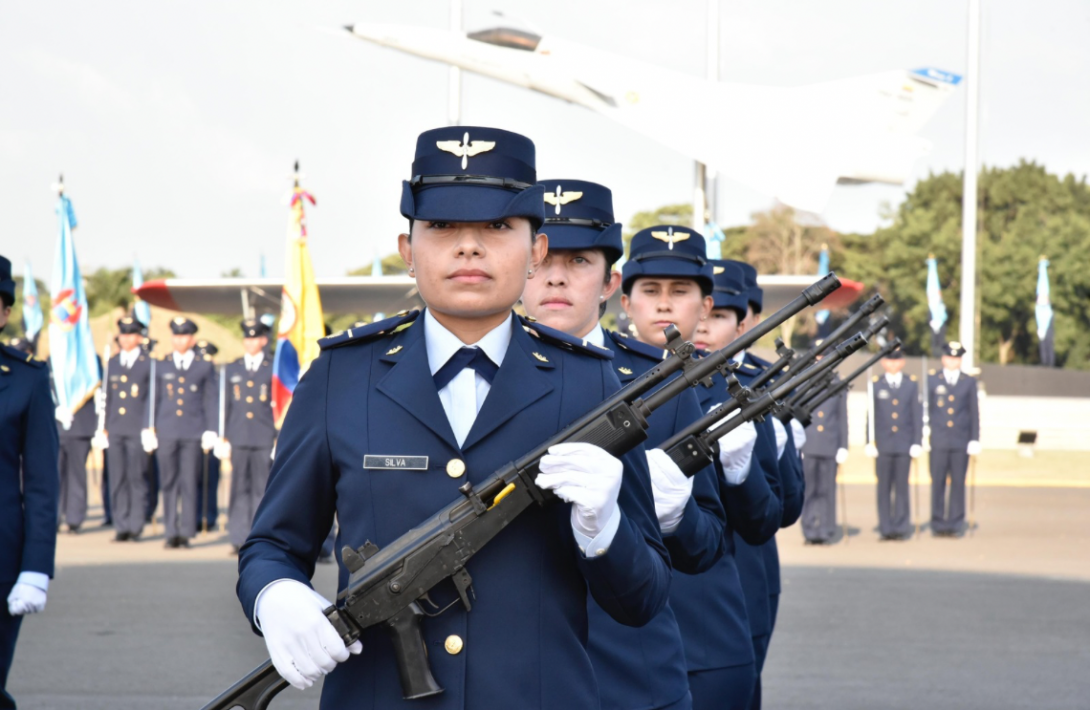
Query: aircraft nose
{"x": 350, "y": 28}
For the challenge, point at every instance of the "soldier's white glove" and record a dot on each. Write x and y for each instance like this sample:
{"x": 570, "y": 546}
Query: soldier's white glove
{"x": 781, "y": 437}
{"x": 100, "y": 442}
{"x": 736, "y": 452}
{"x": 222, "y": 449}
{"x": 915, "y": 450}
{"x": 841, "y": 456}
{"x": 870, "y": 450}
{"x": 799, "y": 433}
{"x": 64, "y": 416}
{"x": 26, "y": 599}
{"x": 208, "y": 440}
{"x": 100, "y": 401}
{"x": 671, "y": 487}
{"x": 974, "y": 448}
{"x": 149, "y": 440}
{"x": 302, "y": 644}
{"x": 586, "y": 476}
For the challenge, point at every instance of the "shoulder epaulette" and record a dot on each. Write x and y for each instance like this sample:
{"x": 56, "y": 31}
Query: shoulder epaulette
{"x": 912, "y": 377}
{"x": 20, "y": 356}
{"x": 876, "y": 378}
{"x": 635, "y": 346}
{"x": 749, "y": 368}
{"x": 563, "y": 340}
{"x": 931, "y": 372}
{"x": 366, "y": 333}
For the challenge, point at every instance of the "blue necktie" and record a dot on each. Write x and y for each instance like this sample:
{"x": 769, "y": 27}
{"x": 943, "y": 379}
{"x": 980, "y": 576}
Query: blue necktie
{"x": 465, "y": 357}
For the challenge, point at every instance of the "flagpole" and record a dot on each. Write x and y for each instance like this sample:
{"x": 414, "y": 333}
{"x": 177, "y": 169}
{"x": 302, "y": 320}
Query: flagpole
{"x": 454, "y": 81}
{"x": 969, "y": 192}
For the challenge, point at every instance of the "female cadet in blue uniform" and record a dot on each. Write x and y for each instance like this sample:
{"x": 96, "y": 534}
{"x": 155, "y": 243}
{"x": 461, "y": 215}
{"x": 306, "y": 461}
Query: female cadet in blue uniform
{"x": 28, "y": 486}
{"x": 454, "y": 394}
{"x": 637, "y": 668}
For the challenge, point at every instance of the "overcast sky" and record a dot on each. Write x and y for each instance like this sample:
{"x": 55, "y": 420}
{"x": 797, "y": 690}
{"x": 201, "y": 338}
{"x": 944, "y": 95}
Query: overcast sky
{"x": 176, "y": 123}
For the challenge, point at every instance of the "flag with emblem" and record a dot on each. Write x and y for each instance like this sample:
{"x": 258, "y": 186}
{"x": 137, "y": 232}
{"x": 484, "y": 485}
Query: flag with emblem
{"x": 822, "y": 316}
{"x": 936, "y": 306}
{"x": 32, "y": 309}
{"x": 301, "y": 323}
{"x": 140, "y": 307}
{"x": 71, "y": 349}
{"x": 1043, "y": 311}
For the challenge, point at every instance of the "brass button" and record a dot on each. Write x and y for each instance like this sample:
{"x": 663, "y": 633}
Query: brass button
{"x": 894, "y": 415}
{"x": 123, "y": 395}
{"x": 894, "y": 428}
{"x": 821, "y": 428}
{"x": 455, "y": 468}
{"x": 249, "y": 415}
{"x": 821, "y": 414}
{"x": 950, "y": 410}
{"x": 124, "y": 378}
{"x": 181, "y": 378}
{"x": 249, "y": 400}
{"x": 179, "y": 412}
{"x": 895, "y": 403}
{"x": 249, "y": 383}
{"x": 121, "y": 411}
{"x": 453, "y": 644}
{"x": 950, "y": 424}
{"x": 181, "y": 402}
{"x": 951, "y": 398}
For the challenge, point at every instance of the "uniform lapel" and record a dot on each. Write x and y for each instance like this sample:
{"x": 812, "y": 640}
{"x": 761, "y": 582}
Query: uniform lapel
{"x": 520, "y": 381}
{"x": 409, "y": 382}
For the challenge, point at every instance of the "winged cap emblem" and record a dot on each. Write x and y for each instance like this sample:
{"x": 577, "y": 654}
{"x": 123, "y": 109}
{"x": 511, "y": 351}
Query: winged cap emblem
{"x": 669, "y": 237}
{"x": 718, "y": 269}
{"x": 560, "y": 197}
{"x": 465, "y": 149}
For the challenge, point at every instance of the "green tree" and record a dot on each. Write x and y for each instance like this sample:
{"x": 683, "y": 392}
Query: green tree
{"x": 112, "y": 288}
{"x": 392, "y": 265}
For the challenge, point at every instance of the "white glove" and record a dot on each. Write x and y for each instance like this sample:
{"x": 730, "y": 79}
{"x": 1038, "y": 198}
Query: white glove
{"x": 100, "y": 441}
{"x": 974, "y": 448}
{"x": 222, "y": 449}
{"x": 915, "y": 450}
{"x": 736, "y": 452}
{"x": 302, "y": 644}
{"x": 25, "y": 599}
{"x": 100, "y": 401}
{"x": 781, "y": 437}
{"x": 870, "y": 450}
{"x": 799, "y": 432}
{"x": 587, "y": 477}
{"x": 208, "y": 440}
{"x": 149, "y": 440}
{"x": 671, "y": 487}
{"x": 64, "y": 416}
{"x": 841, "y": 456}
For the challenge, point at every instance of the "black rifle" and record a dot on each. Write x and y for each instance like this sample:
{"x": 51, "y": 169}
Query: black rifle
{"x": 386, "y": 585}
{"x": 865, "y": 310}
{"x": 800, "y": 395}
{"x": 697, "y": 445}
{"x": 845, "y": 383}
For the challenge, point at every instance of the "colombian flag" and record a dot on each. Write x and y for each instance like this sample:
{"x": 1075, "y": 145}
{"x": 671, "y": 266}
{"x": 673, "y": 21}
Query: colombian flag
{"x": 301, "y": 323}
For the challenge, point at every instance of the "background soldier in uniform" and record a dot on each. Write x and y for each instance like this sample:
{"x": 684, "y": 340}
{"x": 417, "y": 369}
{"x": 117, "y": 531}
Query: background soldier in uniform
{"x": 249, "y": 429}
{"x": 955, "y": 436}
{"x": 208, "y": 504}
{"x": 126, "y": 420}
{"x": 75, "y": 430}
{"x": 185, "y": 420}
{"x": 898, "y": 434}
{"x": 825, "y": 449}
{"x": 28, "y": 486}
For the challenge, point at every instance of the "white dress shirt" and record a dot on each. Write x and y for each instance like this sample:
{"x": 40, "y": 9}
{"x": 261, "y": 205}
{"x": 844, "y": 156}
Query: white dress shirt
{"x": 951, "y": 376}
{"x": 464, "y": 395}
{"x": 182, "y": 362}
{"x": 894, "y": 379}
{"x": 128, "y": 357}
{"x": 253, "y": 361}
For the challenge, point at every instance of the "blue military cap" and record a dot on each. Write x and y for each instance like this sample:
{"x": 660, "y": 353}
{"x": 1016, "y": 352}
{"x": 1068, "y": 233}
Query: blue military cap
{"x": 897, "y": 354}
{"x": 182, "y": 326}
{"x": 129, "y": 325}
{"x": 953, "y": 349}
{"x": 7, "y": 284}
{"x": 579, "y": 215}
{"x": 253, "y": 328}
{"x": 667, "y": 250}
{"x": 730, "y": 286}
{"x": 755, "y": 293}
{"x": 473, "y": 174}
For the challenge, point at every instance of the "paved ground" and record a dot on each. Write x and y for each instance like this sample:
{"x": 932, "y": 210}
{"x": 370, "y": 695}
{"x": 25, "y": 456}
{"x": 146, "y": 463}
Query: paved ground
{"x": 999, "y": 620}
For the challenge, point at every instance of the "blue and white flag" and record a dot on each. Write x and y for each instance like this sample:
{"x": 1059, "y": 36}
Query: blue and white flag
{"x": 32, "y": 309}
{"x": 1043, "y": 311}
{"x": 713, "y": 239}
{"x": 823, "y": 270}
{"x": 936, "y": 306}
{"x": 140, "y": 308}
{"x": 71, "y": 349}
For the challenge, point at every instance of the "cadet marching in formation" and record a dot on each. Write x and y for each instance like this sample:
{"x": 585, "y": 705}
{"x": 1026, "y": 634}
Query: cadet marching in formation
{"x": 651, "y": 589}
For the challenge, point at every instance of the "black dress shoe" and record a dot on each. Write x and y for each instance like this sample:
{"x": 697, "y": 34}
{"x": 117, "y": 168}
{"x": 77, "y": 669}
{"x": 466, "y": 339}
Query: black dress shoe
{"x": 73, "y": 529}
{"x": 121, "y": 537}
{"x": 183, "y": 542}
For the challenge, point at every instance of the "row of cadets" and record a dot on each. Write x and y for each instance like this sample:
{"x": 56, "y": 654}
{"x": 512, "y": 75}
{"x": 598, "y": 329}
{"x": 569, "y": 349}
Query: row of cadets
{"x": 648, "y": 667}
{"x": 29, "y": 486}
{"x": 393, "y": 417}
{"x": 738, "y": 303}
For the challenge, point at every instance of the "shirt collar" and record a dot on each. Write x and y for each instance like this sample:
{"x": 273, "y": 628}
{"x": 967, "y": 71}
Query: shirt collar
{"x": 253, "y": 361}
{"x": 442, "y": 344}
{"x": 128, "y": 357}
{"x": 950, "y": 375}
{"x": 596, "y": 336}
{"x": 894, "y": 378}
{"x": 740, "y": 357}
{"x": 185, "y": 360}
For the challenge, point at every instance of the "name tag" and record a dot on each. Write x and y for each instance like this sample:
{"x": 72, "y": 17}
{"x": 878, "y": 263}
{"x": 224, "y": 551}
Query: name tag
{"x": 883, "y": 394}
{"x": 395, "y": 463}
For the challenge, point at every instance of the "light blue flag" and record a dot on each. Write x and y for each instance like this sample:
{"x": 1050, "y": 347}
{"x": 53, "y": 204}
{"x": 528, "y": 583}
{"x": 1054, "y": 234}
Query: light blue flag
{"x": 32, "y": 309}
{"x": 1044, "y": 301}
{"x": 140, "y": 308}
{"x": 714, "y": 238}
{"x": 71, "y": 349}
{"x": 934, "y": 296}
{"x": 823, "y": 270}
{"x": 376, "y": 267}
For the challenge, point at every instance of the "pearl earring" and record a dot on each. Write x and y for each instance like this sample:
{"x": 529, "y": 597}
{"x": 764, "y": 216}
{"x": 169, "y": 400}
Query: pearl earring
{"x": 412, "y": 272}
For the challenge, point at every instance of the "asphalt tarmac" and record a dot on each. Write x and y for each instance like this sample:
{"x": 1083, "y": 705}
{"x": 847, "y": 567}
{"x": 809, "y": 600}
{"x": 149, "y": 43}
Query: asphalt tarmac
{"x": 998, "y": 620}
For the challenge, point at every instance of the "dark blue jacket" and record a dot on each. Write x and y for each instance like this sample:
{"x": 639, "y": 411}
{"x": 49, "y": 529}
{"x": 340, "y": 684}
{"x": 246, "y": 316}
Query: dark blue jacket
{"x": 127, "y": 397}
{"x": 84, "y": 419}
{"x": 954, "y": 411}
{"x": 186, "y": 401}
{"x": 372, "y": 393}
{"x": 898, "y": 415}
{"x": 248, "y": 406}
{"x": 646, "y": 667}
{"x": 828, "y": 430}
{"x": 29, "y": 485}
